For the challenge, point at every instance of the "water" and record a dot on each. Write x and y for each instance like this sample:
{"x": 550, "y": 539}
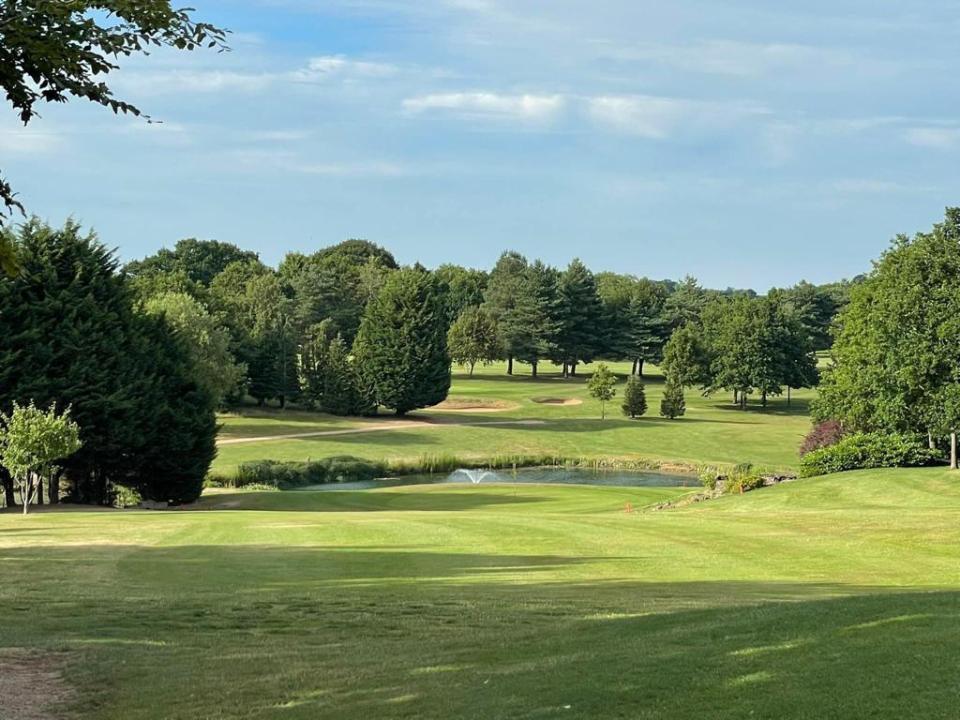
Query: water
{"x": 541, "y": 475}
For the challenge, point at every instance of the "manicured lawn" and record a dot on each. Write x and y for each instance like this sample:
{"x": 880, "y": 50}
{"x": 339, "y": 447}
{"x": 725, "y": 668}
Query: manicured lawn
{"x": 712, "y": 430}
{"x": 827, "y": 598}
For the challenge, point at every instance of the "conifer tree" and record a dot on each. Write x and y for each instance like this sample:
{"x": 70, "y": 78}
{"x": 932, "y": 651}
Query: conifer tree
{"x": 672, "y": 405}
{"x": 401, "y": 347}
{"x": 580, "y": 317}
{"x": 634, "y": 398}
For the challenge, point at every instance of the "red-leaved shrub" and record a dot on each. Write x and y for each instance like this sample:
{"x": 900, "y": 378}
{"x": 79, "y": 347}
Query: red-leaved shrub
{"x": 822, "y": 435}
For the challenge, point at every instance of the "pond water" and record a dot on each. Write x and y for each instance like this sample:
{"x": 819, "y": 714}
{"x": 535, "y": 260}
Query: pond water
{"x": 540, "y": 475}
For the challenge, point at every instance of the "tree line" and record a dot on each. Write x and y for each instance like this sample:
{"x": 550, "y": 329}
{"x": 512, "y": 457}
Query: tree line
{"x": 345, "y": 329}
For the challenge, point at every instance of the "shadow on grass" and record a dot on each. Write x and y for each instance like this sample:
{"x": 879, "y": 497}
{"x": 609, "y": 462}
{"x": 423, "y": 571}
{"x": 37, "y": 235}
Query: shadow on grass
{"x": 351, "y": 631}
{"x": 357, "y": 501}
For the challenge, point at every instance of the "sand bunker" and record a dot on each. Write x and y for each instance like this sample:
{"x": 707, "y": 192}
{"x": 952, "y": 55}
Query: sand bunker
{"x": 557, "y": 401}
{"x": 474, "y": 405}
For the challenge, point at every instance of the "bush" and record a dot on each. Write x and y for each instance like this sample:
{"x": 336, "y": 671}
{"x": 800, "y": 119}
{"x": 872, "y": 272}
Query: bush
{"x": 288, "y": 475}
{"x": 822, "y": 435}
{"x": 125, "y": 497}
{"x": 869, "y": 450}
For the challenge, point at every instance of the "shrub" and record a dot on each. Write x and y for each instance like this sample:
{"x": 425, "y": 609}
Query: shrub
{"x": 869, "y": 450}
{"x": 125, "y": 497}
{"x": 822, "y": 435}
{"x": 288, "y": 475}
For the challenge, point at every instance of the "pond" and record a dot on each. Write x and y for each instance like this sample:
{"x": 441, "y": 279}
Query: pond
{"x": 539, "y": 475}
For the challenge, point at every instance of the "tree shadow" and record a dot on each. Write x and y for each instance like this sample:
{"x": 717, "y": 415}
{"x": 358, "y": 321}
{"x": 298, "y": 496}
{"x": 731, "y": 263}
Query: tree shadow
{"x": 364, "y": 501}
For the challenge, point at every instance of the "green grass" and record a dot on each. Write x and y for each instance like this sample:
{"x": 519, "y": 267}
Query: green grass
{"x": 827, "y": 598}
{"x": 712, "y": 431}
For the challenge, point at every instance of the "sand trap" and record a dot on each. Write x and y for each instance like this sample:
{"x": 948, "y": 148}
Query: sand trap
{"x": 558, "y": 401}
{"x": 473, "y": 405}
{"x": 32, "y": 685}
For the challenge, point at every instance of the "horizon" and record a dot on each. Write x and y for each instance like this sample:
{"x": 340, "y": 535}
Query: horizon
{"x": 742, "y": 146}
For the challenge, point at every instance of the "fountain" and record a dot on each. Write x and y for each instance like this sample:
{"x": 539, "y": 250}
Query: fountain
{"x": 475, "y": 475}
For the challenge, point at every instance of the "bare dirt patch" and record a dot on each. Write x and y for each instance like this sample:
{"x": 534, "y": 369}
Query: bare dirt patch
{"x": 474, "y": 405}
{"x": 557, "y": 401}
{"x": 32, "y": 686}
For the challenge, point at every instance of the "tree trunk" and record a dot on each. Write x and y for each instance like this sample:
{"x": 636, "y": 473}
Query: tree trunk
{"x": 510, "y": 365}
{"x": 788, "y": 396}
{"x": 930, "y": 443}
{"x": 640, "y": 367}
{"x": 7, "y": 482}
{"x": 763, "y": 398}
{"x": 736, "y": 398}
{"x": 573, "y": 369}
{"x": 38, "y": 491}
{"x": 953, "y": 450}
{"x": 533, "y": 368}
{"x": 633, "y": 370}
{"x": 54, "y": 488}
{"x": 603, "y": 409}
{"x": 566, "y": 369}
{"x": 471, "y": 368}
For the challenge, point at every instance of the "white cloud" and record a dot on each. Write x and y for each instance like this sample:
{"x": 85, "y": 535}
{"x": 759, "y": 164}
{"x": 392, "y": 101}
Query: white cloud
{"x": 289, "y": 162}
{"x": 329, "y": 66}
{"x": 657, "y": 118}
{"x": 488, "y": 104}
{"x": 938, "y": 138}
{"x": 24, "y": 141}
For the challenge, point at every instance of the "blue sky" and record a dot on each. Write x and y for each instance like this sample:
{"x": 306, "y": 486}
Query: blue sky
{"x": 747, "y": 143}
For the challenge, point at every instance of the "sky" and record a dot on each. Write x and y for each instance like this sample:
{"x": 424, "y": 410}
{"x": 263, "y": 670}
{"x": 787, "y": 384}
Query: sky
{"x": 744, "y": 142}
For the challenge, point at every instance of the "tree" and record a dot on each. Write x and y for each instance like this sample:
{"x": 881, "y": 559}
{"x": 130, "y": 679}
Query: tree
{"x": 464, "y": 288}
{"x": 31, "y": 441}
{"x": 199, "y": 261}
{"x": 206, "y": 340}
{"x": 51, "y": 51}
{"x": 686, "y": 357}
{"x": 580, "y": 317}
{"x": 602, "y": 386}
{"x": 502, "y": 299}
{"x": 329, "y": 376}
{"x": 73, "y": 335}
{"x": 685, "y": 304}
{"x": 634, "y": 398}
{"x": 896, "y": 364}
{"x": 473, "y": 338}
{"x": 534, "y": 324}
{"x": 672, "y": 404}
{"x": 401, "y": 347}
{"x": 8, "y": 256}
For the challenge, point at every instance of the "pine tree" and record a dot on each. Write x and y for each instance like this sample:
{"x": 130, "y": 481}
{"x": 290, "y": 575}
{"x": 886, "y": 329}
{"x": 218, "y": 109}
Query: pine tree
{"x": 401, "y": 347}
{"x": 634, "y": 398}
{"x": 502, "y": 297}
{"x": 672, "y": 405}
{"x": 580, "y": 317}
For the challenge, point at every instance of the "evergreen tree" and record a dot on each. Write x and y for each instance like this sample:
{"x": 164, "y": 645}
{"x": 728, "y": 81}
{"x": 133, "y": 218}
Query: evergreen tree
{"x": 580, "y": 317}
{"x": 473, "y": 338}
{"x": 502, "y": 299}
{"x": 672, "y": 404}
{"x": 329, "y": 376}
{"x": 72, "y": 336}
{"x": 634, "y": 398}
{"x": 602, "y": 386}
{"x": 534, "y": 321}
{"x": 401, "y": 347}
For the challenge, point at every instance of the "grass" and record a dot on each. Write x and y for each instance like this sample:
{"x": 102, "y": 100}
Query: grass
{"x": 827, "y": 598}
{"x": 712, "y": 431}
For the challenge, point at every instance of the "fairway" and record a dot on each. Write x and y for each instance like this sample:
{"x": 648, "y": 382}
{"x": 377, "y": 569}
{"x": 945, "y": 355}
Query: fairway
{"x": 712, "y": 431}
{"x": 825, "y": 598}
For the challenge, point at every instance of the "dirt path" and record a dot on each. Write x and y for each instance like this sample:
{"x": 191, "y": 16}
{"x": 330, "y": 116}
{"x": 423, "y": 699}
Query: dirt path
{"x": 377, "y": 427}
{"x": 32, "y": 685}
